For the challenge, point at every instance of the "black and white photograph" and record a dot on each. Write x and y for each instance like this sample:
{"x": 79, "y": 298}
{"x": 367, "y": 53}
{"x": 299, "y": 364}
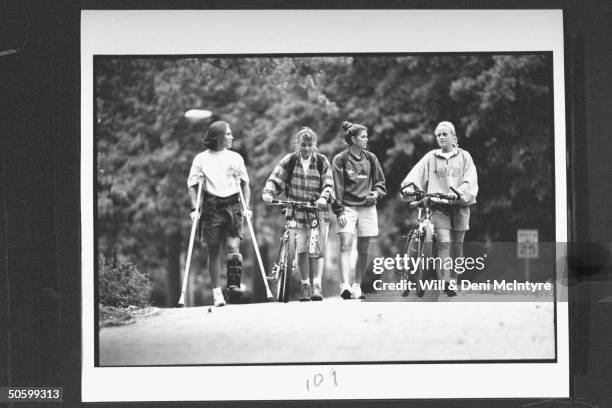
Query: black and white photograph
{"x": 302, "y": 200}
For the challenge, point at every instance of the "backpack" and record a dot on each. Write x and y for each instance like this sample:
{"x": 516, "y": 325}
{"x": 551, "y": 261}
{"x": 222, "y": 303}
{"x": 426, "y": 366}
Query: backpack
{"x": 319, "y": 159}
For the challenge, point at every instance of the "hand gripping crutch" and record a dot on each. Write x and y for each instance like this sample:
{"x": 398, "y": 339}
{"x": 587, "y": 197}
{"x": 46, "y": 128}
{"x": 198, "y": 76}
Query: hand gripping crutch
{"x": 250, "y": 225}
{"x": 194, "y": 227}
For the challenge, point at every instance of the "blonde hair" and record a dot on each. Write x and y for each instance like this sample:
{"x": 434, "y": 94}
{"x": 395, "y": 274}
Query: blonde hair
{"x": 448, "y": 125}
{"x": 306, "y": 133}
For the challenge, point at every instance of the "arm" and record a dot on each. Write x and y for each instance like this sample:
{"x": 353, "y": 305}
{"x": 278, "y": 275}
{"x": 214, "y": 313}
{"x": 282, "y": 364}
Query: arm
{"x": 327, "y": 183}
{"x": 338, "y": 176}
{"x": 195, "y": 175}
{"x": 469, "y": 187}
{"x": 378, "y": 179}
{"x": 246, "y": 190}
{"x": 277, "y": 180}
{"x": 328, "y": 180}
{"x": 193, "y": 196}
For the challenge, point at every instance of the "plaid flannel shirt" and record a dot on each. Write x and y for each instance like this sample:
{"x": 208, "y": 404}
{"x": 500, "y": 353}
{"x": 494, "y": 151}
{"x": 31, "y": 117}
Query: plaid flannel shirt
{"x": 303, "y": 186}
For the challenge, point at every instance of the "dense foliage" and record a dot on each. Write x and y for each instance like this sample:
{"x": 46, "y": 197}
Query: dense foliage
{"x": 122, "y": 284}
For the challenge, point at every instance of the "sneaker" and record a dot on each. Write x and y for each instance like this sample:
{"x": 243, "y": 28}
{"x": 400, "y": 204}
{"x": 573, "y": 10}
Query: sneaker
{"x": 345, "y": 291}
{"x": 405, "y": 293}
{"x": 305, "y": 292}
{"x": 234, "y": 294}
{"x": 218, "y": 297}
{"x": 420, "y": 292}
{"x": 357, "y": 294}
{"x": 316, "y": 292}
{"x": 450, "y": 292}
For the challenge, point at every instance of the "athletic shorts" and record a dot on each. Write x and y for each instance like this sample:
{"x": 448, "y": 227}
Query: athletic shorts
{"x": 302, "y": 238}
{"x": 221, "y": 221}
{"x": 453, "y": 217}
{"x": 363, "y": 220}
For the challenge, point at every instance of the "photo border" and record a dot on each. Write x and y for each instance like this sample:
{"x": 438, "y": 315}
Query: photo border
{"x": 403, "y": 31}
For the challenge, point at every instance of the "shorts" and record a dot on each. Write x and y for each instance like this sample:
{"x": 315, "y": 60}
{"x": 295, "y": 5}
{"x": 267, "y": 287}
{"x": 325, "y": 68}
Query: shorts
{"x": 302, "y": 238}
{"x": 221, "y": 221}
{"x": 454, "y": 217}
{"x": 363, "y": 219}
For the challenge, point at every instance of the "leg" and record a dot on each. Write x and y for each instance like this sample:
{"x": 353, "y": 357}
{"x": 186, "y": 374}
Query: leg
{"x": 443, "y": 239}
{"x": 367, "y": 232}
{"x": 457, "y": 246}
{"x": 303, "y": 235}
{"x": 214, "y": 252}
{"x": 315, "y": 268}
{"x": 318, "y": 264}
{"x": 363, "y": 256}
{"x": 346, "y": 244}
{"x": 460, "y": 221}
{"x": 363, "y": 259}
{"x": 457, "y": 243}
{"x": 303, "y": 265}
{"x": 234, "y": 269}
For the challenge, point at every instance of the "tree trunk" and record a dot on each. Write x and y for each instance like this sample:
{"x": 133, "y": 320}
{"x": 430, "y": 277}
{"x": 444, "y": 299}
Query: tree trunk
{"x": 173, "y": 242}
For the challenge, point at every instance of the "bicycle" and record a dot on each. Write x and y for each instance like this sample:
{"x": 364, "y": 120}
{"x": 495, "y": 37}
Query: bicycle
{"x": 419, "y": 241}
{"x": 286, "y": 260}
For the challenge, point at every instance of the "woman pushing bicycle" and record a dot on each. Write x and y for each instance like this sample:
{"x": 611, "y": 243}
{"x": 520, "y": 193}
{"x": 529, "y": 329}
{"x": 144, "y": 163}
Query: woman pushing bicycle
{"x": 359, "y": 184}
{"x": 442, "y": 171}
{"x": 305, "y": 175}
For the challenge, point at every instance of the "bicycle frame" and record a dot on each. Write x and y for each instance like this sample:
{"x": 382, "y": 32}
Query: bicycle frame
{"x": 422, "y": 234}
{"x": 286, "y": 260}
{"x": 280, "y": 261}
{"x": 422, "y": 227}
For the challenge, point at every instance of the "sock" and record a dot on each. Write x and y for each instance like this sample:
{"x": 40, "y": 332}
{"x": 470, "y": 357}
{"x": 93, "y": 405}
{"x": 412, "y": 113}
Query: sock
{"x": 315, "y": 281}
{"x": 305, "y": 282}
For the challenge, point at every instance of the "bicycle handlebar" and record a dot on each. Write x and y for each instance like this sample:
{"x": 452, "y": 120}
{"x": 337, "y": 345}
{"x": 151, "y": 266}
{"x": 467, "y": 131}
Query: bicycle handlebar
{"x": 295, "y": 204}
{"x": 420, "y": 194}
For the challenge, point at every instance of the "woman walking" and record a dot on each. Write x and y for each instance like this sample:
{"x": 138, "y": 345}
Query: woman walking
{"x": 359, "y": 184}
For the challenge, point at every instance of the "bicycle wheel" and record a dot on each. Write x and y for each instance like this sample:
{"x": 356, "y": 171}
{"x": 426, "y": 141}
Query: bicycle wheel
{"x": 427, "y": 250}
{"x": 419, "y": 247}
{"x": 412, "y": 248}
{"x": 289, "y": 267}
{"x": 279, "y": 271}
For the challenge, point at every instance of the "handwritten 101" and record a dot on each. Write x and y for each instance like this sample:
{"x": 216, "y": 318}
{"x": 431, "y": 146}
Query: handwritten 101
{"x": 318, "y": 379}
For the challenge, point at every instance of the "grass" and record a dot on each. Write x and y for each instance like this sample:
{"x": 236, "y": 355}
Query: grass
{"x": 119, "y": 316}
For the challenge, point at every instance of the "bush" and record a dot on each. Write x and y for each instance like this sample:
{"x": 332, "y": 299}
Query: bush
{"x": 122, "y": 284}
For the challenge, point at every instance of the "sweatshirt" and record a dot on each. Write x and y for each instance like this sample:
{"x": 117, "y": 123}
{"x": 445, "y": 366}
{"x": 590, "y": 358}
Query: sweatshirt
{"x": 436, "y": 174}
{"x": 355, "y": 177}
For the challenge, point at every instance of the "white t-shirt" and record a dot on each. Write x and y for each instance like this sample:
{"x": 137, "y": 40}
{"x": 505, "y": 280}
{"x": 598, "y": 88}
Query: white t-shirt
{"x": 305, "y": 162}
{"x": 221, "y": 171}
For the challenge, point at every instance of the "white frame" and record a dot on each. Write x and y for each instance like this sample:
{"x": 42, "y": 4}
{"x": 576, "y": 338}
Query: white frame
{"x": 321, "y": 31}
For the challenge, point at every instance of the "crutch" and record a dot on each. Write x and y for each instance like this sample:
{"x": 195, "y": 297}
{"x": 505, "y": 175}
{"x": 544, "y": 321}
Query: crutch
{"x": 250, "y": 225}
{"x": 194, "y": 227}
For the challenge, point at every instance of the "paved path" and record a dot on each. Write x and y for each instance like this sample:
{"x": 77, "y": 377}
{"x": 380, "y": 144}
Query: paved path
{"x": 335, "y": 331}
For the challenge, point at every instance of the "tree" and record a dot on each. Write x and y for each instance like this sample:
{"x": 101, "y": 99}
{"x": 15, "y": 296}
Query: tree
{"x": 501, "y": 106}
